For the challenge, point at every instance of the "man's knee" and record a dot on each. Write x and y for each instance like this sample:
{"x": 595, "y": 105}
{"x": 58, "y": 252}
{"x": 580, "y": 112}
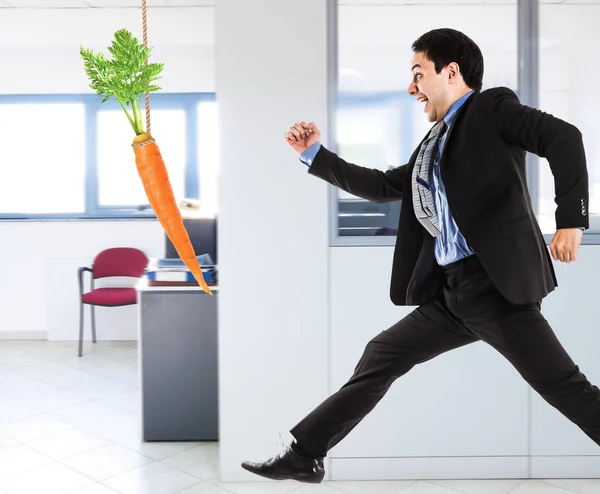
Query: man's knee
{"x": 381, "y": 356}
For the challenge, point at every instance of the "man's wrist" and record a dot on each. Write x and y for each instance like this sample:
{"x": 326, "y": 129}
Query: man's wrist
{"x": 308, "y": 155}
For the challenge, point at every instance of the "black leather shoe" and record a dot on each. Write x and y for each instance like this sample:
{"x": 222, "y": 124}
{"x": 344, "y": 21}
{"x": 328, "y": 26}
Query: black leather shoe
{"x": 289, "y": 465}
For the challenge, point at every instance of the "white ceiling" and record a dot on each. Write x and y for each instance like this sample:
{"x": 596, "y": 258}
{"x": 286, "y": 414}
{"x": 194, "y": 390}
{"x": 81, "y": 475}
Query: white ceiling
{"x": 86, "y": 4}
{"x": 61, "y": 4}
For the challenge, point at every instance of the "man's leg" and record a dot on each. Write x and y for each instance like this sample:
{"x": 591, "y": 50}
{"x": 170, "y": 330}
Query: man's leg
{"x": 528, "y": 342}
{"x": 522, "y": 335}
{"x": 425, "y": 333}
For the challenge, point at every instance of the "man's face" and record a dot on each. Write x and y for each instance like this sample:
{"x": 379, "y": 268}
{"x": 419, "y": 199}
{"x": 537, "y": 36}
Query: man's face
{"x": 428, "y": 87}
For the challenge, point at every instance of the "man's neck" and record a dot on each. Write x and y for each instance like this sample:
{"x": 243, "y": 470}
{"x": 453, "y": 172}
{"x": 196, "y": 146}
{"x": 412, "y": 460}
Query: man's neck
{"x": 459, "y": 95}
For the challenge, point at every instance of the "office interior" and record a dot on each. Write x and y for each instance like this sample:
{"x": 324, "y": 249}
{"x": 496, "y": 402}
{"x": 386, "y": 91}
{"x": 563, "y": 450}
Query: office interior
{"x": 302, "y": 270}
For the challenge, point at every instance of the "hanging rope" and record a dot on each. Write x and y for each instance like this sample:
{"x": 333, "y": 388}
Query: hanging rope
{"x": 145, "y": 33}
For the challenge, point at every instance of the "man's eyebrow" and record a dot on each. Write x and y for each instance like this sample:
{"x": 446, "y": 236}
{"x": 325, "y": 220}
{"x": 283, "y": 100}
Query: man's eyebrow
{"x": 415, "y": 66}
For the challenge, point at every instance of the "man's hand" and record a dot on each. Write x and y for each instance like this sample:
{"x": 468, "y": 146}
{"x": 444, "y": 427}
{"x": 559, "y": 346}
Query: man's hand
{"x": 565, "y": 244}
{"x": 302, "y": 135}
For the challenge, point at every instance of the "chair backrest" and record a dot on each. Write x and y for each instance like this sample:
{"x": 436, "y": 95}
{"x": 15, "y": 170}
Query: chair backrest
{"x": 120, "y": 261}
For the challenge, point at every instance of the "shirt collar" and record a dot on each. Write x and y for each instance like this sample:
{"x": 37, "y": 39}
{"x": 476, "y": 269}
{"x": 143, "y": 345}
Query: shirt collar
{"x": 455, "y": 107}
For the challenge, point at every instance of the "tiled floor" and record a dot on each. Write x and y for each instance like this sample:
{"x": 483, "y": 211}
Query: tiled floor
{"x": 70, "y": 425}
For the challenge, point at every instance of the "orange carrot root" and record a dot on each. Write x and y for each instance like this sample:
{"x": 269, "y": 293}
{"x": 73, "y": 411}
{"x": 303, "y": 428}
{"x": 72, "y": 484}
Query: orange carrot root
{"x": 153, "y": 172}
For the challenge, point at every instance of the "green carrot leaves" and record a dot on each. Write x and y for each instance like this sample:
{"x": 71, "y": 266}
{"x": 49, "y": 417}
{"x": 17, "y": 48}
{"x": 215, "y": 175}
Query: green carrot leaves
{"x": 126, "y": 77}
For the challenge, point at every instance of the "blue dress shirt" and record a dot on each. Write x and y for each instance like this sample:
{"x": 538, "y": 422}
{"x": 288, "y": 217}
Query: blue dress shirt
{"x": 450, "y": 246}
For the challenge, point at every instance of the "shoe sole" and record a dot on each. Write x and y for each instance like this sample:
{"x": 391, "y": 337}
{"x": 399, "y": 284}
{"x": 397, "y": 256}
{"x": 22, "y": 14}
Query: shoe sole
{"x": 307, "y": 479}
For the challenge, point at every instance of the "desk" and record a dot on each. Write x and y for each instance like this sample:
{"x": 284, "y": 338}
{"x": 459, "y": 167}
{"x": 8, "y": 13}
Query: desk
{"x": 178, "y": 340}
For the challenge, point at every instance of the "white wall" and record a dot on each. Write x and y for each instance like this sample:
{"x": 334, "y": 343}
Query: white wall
{"x": 40, "y": 48}
{"x": 39, "y": 282}
{"x": 273, "y": 237}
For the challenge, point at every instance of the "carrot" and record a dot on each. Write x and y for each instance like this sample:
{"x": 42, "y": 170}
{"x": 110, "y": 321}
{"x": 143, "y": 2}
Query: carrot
{"x": 153, "y": 172}
{"x": 126, "y": 78}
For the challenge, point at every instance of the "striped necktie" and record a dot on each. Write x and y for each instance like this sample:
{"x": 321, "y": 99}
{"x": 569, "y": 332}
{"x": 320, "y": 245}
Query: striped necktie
{"x": 422, "y": 179}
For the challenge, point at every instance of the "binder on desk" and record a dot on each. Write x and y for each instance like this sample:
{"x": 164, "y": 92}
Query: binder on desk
{"x": 173, "y": 271}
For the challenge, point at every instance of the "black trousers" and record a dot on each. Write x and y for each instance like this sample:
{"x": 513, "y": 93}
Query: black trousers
{"x": 469, "y": 309}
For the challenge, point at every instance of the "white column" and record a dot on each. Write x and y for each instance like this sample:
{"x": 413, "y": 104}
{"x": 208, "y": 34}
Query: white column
{"x": 271, "y": 70}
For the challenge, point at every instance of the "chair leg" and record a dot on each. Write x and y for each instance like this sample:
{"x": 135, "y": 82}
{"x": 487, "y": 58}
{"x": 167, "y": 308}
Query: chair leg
{"x": 80, "y": 329}
{"x": 93, "y": 323}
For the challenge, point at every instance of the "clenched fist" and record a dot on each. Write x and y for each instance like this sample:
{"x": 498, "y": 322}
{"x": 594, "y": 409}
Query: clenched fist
{"x": 565, "y": 244}
{"x": 302, "y": 135}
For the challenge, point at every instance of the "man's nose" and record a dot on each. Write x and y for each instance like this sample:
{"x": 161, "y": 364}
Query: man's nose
{"x": 412, "y": 89}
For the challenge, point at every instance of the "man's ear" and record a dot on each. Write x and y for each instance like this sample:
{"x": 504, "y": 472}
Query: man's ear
{"x": 453, "y": 71}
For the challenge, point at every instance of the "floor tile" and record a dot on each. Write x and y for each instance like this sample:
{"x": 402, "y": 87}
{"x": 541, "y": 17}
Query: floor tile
{"x": 129, "y": 401}
{"x": 49, "y": 479}
{"x": 94, "y": 489}
{"x": 20, "y": 458}
{"x": 7, "y": 352}
{"x": 537, "y": 487}
{"x": 35, "y": 427}
{"x": 322, "y": 488}
{"x": 69, "y": 379}
{"x": 578, "y": 486}
{"x": 106, "y": 461}
{"x": 21, "y": 362}
{"x": 121, "y": 353}
{"x": 29, "y": 388}
{"x": 100, "y": 388}
{"x": 54, "y": 400}
{"x": 101, "y": 420}
{"x": 205, "y": 488}
{"x": 43, "y": 368}
{"x": 88, "y": 361}
{"x": 54, "y": 354}
{"x": 260, "y": 487}
{"x": 202, "y": 461}
{"x": 480, "y": 486}
{"x": 11, "y": 410}
{"x": 158, "y": 450}
{"x": 373, "y": 487}
{"x": 67, "y": 443}
{"x": 12, "y": 376}
{"x": 155, "y": 478}
{"x": 424, "y": 487}
{"x": 6, "y": 442}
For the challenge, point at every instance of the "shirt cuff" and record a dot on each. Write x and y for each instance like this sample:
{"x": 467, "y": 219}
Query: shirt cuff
{"x": 308, "y": 156}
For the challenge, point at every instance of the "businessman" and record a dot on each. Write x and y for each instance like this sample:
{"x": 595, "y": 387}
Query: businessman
{"x": 469, "y": 252}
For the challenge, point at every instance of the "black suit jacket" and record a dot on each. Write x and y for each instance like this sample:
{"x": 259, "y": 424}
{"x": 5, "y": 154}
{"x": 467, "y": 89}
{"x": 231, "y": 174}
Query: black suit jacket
{"x": 483, "y": 170}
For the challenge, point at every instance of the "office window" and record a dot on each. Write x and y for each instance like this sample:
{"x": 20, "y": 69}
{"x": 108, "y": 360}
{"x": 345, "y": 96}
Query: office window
{"x": 43, "y": 158}
{"x": 70, "y": 156}
{"x": 118, "y": 181}
{"x": 208, "y": 146}
{"x": 377, "y": 123}
{"x": 569, "y": 72}
{"x": 372, "y": 132}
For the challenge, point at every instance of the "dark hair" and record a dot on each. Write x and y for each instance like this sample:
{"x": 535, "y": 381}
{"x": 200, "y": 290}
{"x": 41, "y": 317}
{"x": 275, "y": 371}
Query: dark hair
{"x": 444, "y": 46}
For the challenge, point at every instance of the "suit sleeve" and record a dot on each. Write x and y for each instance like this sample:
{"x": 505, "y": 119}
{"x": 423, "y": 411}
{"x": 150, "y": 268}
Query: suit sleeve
{"x": 367, "y": 183}
{"x": 554, "y": 139}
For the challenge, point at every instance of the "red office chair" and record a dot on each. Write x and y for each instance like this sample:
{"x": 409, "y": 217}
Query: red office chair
{"x": 118, "y": 261}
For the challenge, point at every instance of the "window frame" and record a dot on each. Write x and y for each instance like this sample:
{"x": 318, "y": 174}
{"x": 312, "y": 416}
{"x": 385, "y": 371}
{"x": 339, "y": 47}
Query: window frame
{"x": 528, "y": 19}
{"x": 190, "y": 102}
